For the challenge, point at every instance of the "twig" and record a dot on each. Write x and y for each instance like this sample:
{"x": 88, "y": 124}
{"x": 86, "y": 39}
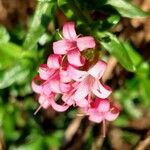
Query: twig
{"x": 72, "y": 128}
{"x": 110, "y": 67}
{"x": 144, "y": 144}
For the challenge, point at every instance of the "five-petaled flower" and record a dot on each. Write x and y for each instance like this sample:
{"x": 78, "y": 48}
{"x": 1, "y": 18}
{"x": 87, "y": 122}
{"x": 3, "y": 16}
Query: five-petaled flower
{"x": 71, "y": 45}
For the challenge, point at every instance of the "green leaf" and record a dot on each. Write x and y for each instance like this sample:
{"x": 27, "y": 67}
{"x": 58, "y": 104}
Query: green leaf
{"x": 134, "y": 56}
{"x": 127, "y": 9}
{"x": 9, "y": 53}
{"x": 63, "y": 5}
{"x": 116, "y": 48}
{"x": 144, "y": 91}
{"x": 143, "y": 70}
{"x": 105, "y": 25}
{"x": 4, "y": 36}
{"x": 18, "y": 73}
{"x": 11, "y": 49}
{"x": 43, "y": 14}
{"x": 73, "y": 11}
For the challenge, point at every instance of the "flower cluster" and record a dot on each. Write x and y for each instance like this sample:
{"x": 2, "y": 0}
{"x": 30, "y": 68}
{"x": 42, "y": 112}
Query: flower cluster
{"x": 64, "y": 77}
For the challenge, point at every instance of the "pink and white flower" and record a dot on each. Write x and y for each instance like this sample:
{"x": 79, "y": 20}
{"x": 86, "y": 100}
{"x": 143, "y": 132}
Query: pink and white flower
{"x": 71, "y": 45}
{"x": 101, "y": 109}
{"x": 52, "y": 80}
{"x": 46, "y": 96}
{"x": 87, "y": 84}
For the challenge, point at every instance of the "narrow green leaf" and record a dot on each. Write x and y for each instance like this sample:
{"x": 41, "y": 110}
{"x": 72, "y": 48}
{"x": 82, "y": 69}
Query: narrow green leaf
{"x": 127, "y": 9}
{"x": 117, "y": 49}
{"x": 134, "y": 56}
{"x": 39, "y": 24}
{"x": 144, "y": 91}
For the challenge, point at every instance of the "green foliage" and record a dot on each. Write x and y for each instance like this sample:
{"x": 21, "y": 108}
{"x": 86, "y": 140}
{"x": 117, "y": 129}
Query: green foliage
{"x": 44, "y": 13}
{"x": 135, "y": 95}
{"x": 127, "y": 9}
{"x": 117, "y": 49}
{"x": 73, "y": 11}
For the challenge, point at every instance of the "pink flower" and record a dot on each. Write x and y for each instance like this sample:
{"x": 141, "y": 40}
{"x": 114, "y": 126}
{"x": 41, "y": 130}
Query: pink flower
{"x": 68, "y": 98}
{"x": 102, "y": 110}
{"x": 46, "y": 96}
{"x": 71, "y": 44}
{"x": 56, "y": 77}
{"x": 64, "y": 78}
{"x": 52, "y": 80}
{"x": 87, "y": 83}
{"x": 47, "y": 101}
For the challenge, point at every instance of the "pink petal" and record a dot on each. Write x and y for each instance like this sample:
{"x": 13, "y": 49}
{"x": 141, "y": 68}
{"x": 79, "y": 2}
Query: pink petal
{"x": 68, "y": 99}
{"x": 82, "y": 103}
{"x": 104, "y": 105}
{"x": 92, "y": 111}
{"x": 44, "y": 102}
{"x": 76, "y": 74}
{"x": 96, "y": 118}
{"x": 64, "y": 87}
{"x": 55, "y": 86}
{"x": 85, "y": 43}
{"x": 75, "y": 58}
{"x": 100, "y": 90}
{"x": 57, "y": 107}
{"x": 64, "y": 76}
{"x": 69, "y": 31}
{"x": 98, "y": 69}
{"x": 82, "y": 91}
{"x": 112, "y": 114}
{"x": 35, "y": 86}
{"x": 54, "y": 83}
{"x": 54, "y": 61}
{"x": 62, "y": 46}
{"x": 46, "y": 89}
{"x": 45, "y": 72}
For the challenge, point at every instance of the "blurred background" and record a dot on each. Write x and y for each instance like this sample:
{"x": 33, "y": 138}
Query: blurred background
{"x": 27, "y": 30}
